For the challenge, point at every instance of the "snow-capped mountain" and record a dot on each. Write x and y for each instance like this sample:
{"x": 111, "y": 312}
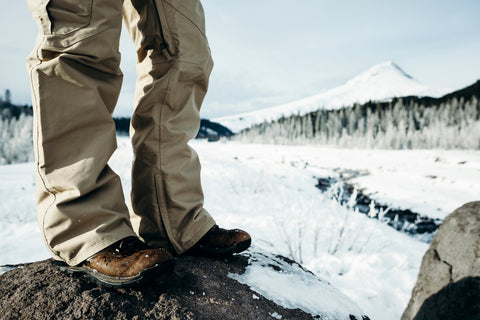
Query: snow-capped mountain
{"x": 380, "y": 82}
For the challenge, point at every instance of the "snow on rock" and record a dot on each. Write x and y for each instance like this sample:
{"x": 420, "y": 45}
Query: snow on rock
{"x": 291, "y": 286}
{"x": 380, "y": 82}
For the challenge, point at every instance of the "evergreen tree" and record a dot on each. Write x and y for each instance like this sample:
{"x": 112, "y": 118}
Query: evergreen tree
{"x": 8, "y": 97}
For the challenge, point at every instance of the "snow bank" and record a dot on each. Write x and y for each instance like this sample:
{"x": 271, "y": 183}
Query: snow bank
{"x": 292, "y": 287}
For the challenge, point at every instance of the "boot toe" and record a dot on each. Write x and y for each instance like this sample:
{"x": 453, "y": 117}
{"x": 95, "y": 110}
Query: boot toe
{"x": 125, "y": 263}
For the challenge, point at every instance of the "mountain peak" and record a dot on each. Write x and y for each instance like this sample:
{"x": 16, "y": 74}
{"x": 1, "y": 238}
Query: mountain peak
{"x": 386, "y": 70}
{"x": 391, "y": 64}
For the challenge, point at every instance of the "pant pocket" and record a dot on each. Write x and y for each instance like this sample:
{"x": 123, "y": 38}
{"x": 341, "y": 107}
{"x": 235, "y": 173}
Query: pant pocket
{"x": 183, "y": 29}
{"x": 60, "y": 17}
{"x": 166, "y": 23}
{"x": 63, "y": 23}
{"x": 68, "y": 16}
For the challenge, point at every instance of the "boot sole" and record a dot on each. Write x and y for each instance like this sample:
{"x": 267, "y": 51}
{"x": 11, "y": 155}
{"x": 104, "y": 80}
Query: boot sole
{"x": 104, "y": 280}
{"x": 220, "y": 252}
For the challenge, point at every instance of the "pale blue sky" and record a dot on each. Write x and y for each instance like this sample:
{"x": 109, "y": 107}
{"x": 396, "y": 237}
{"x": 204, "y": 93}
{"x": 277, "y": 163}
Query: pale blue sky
{"x": 268, "y": 52}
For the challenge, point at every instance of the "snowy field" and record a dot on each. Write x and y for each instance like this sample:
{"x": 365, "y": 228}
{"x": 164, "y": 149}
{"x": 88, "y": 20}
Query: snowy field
{"x": 270, "y": 191}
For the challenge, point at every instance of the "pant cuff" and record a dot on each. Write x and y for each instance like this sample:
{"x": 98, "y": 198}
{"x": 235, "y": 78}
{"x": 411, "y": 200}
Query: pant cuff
{"x": 96, "y": 247}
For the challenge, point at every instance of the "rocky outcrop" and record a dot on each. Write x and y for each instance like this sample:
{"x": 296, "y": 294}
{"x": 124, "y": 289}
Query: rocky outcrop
{"x": 448, "y": 284}
{"x": 199, "y": 288}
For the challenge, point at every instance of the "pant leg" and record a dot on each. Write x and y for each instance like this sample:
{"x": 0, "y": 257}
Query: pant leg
{"x": 75, "y": 80}
{"x": 174, "y": 64}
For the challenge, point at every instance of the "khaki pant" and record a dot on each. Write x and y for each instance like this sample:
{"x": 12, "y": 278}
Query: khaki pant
{"x": 75, "y": 79}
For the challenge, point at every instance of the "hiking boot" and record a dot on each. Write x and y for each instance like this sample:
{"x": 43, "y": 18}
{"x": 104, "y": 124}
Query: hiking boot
{"x": 125, "y": 263}
{"x": 218, "y": 242}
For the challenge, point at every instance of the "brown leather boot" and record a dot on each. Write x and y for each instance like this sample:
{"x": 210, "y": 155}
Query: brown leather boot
{"x": 218, "y": 242}
{"x": 124, "y": 263}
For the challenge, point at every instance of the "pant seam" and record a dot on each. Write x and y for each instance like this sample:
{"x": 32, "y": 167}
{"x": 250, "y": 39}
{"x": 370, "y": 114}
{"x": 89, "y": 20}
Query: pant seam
{"x": 42, "y": 178}
{"x": 160, "y": 154}
{"x": 182, "y": 14}
{"x": 56, "y": 43}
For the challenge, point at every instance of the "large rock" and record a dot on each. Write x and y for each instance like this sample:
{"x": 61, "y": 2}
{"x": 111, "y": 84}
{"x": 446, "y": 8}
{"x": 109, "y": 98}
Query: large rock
{"x": 199, "y": 288}
{"x": 448, "y": 284}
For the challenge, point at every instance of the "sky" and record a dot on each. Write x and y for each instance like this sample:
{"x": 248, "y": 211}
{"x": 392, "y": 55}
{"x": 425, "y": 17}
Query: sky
{"x": 271, "y": 52}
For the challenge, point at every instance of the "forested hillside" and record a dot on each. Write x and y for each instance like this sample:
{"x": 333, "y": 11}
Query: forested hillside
{"x": 16, "y": 127}
{"x": 450, "y": 122}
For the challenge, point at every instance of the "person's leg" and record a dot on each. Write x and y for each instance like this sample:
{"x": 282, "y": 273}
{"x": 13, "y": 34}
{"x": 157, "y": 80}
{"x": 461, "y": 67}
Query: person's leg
{"x": 174, "y": 64}
{"x": 75, "y": 80}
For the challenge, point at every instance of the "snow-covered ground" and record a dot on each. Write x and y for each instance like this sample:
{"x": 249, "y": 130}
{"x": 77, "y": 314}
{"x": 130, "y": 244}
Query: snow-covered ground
{"x": 270, "y": 191}
{"x": 380, "y": 82}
